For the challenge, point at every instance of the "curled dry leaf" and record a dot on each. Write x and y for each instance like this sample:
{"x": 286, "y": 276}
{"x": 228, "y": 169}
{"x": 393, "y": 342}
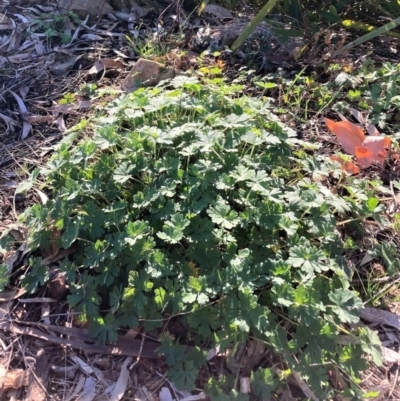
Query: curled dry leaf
{"x": 91, "y": 36}
{"x": 26, "y": 126}
{"x": 165, "y": 394}
{"x": 378, "y": 145}
{"x": 380, "y": 316}
{"x": 372, "y": 130}
{"x": 245, "y": 387}
{"x": 349, "y": 135}
{"x": 131, "y": 17}
{"x": 364, "y": 156}
{"x": 122, "y": 382}
{"x": 368, "y": 149}
{"x": 14, "y": 379}
{"x": 347, "y": 166}
{"x": 217, "y": 11}
{"x": 390, "y": 356}
{"x": 357, "y": 115}
{"x": 105, "y": 63}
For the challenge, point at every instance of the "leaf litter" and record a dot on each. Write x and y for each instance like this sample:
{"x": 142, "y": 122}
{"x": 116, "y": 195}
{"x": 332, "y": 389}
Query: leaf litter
{"x": 86, "y": 387}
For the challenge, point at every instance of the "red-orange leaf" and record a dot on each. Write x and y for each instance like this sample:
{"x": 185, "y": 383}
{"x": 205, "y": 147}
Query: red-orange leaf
{"x": 347, "y": 166}
{"x": 378, "y": 145}
{"x": 364, "y": 156}
{"x": 348, "y": 134}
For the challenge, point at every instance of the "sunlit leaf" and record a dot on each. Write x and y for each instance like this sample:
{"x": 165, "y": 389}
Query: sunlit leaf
{"x": 348, "y": 134}
{"x": 347, "y": 166}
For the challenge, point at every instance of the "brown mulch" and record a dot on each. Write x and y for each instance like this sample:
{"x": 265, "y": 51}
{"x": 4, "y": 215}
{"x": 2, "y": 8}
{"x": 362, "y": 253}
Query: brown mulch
{"x": 44, "y": 354}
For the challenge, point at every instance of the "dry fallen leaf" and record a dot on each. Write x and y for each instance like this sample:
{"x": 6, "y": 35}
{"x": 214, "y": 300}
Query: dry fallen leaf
{"x": 372, "y": 130}
{"x": 380, "y": 316}
{"x": 349, "y": 135}
{"x": 364, "y": 156}
{"x": 165, "y": 394}
{"x": 105, "y": 63}
{"x": 85, "y": 7}
{"x": 217, "y": 11}
{"x": 367, "y": 149}
{"x": 122, "y": 382}
{"x": 378, "y": 145}
{"x": 357, "y": 115}
{"x": 390, "y": 356}
{"x": 347, "y": 166}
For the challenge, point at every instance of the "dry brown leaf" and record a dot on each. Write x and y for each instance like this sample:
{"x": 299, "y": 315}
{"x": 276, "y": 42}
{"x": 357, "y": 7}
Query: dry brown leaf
{"x": 43, "y": 197}
{"x": 357, "y": 115}
{"x": 83, "y": 8}
{"x": 16, "y": 58}
{"x": 37, "y": 388}
{"x": 34, "y": 119}
{"x": 380, "y": 316}
{"x": 61, "y": 124}
{"x": 347, "y": 166}
{"x": 89, "y": 390}
{"x": 217, "y": 11}
{"x": 138, "y": 10}
{"x": 143, "y": 394}
{"x": 304, "y": 387}
{"x": 5, "y": 23}
{"x": 105, "y": 63}
{"x": 78, "y": 389}
{"x": 82, "y": 364}
{"x": 14, "y": 379}
{"x": 129, "y": 347}
{"x": 8, "y": 120}
{"x": 6, "y": 296}
{"x": 122, "y": 382}
{"x": 62, "y": 68}
{"x": 165, "y": 394}
{"x": 367, "y": 150}
{"x": 378, "y": 145}
{"x": 125, "y": 16}
{"x": 245, "y": 387}
{"x": 390, "y": 356}
{"x": 372, "y": 130}
{"x": 349, "y": 135}
{"x": 364, "y": 156}
{"x": 91, "y": 36}
{"x": 366, "y": 259}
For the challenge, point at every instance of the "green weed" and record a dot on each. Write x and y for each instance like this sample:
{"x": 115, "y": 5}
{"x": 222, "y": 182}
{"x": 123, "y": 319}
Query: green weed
{"x": 194, "y": 202}
{"x": 148, "y": 49}
{"x": 53, "y": 26}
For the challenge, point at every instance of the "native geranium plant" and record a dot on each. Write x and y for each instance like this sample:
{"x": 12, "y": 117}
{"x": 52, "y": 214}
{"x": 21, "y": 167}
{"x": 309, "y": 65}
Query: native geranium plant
{"x": 189, "y": 202}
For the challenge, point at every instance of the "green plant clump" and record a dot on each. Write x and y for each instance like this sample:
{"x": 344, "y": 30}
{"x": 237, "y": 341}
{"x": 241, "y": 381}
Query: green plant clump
{"x": 189, "y": 202}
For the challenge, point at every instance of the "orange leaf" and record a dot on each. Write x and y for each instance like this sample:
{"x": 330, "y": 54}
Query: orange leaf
{"x": 364, "y": 156}
{"x": 348, "y": 134}
{"x": 378, "y": 145}
{"x": 349, "y": 167}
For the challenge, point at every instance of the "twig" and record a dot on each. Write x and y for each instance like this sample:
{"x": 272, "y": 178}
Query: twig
{"x": 138, "y": 357}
